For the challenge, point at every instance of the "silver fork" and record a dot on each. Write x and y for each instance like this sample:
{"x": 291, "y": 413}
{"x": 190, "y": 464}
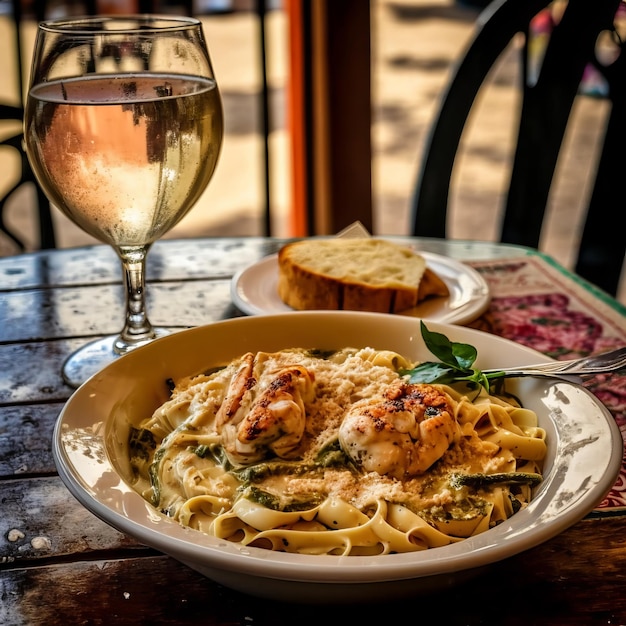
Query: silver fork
{"x": 598, "y": 364}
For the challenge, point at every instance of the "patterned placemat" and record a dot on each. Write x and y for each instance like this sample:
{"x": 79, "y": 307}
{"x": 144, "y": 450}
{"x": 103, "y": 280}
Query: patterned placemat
{"x": 537, "y": 303}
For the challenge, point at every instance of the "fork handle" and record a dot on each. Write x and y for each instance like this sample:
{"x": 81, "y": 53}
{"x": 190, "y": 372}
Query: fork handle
{"x": 600, "y": 364}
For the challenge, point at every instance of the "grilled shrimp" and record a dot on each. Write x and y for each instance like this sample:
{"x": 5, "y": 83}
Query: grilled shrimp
{"x": 231, "y": 408}
{"x": 271, "y": 418}
{"x": 401, "y": 433}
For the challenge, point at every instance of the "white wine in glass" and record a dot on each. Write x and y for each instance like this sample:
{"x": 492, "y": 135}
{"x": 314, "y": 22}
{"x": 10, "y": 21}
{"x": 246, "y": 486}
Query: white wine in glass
{"x": 123, "y": 128}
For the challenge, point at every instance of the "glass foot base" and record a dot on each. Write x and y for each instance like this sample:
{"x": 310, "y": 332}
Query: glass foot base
{"x": 92, "y": 357}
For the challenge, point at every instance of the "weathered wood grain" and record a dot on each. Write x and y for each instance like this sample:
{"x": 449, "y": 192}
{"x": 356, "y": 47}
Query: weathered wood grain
{"x": 94, "y": 310}
{"x": 43, "y": 522}
{"x": 556, "y": 584}
{"x": 25, "y": 436}
{"x": 167, "y": 261}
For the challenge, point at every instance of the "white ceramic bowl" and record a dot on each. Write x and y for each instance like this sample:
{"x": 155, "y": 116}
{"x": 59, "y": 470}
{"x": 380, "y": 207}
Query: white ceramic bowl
{"x": 584, "y": 457}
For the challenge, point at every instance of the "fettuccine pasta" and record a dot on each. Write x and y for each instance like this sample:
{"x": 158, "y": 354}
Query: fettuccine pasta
{"x": 335, "y": 454}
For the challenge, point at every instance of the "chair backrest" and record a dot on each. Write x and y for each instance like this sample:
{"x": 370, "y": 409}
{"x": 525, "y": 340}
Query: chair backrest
{"x": 546, "y": 100}
{"x": 47, "y": 237}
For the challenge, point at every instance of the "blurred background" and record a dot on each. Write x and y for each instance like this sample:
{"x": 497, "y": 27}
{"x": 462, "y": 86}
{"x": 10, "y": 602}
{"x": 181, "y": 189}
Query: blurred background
{"x": 414, "y": 44}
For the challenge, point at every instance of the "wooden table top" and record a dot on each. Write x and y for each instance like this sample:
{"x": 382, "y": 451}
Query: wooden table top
{"x": 60, "y": 564}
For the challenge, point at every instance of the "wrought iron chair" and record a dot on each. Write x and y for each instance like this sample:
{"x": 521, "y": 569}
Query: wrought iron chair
{"x": 46, "y": 232}
{"x": 546, "y": 103}
{"x": 14, "y": 140}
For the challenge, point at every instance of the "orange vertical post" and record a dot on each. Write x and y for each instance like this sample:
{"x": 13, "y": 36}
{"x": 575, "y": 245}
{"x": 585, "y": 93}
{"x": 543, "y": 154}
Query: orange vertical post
{"x": 296, "y": 118}
{"x": 329, "y": 114}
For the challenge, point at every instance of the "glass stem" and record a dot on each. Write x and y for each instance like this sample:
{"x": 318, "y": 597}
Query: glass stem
{"x": 137, "y": 327}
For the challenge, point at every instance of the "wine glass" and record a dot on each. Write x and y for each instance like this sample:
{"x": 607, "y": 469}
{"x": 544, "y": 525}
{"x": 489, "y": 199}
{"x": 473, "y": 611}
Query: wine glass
{"x": 123, "y": 127}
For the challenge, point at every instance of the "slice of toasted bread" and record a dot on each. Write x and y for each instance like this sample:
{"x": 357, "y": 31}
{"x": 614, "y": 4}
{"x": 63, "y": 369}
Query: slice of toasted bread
{"x": 364, "y": 274}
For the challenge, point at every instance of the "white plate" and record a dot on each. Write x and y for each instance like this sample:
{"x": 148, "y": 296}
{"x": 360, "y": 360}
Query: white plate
{"x": 254, "y": 291}
{"x": 90, "y": 446}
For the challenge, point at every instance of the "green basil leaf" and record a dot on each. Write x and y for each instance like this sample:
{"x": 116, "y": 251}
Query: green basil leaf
{"x": 464, "y": 354}
{"x": 439, "y": 345}
{"x": 457, "y": 360}
{"x": 452, "y": 353}
{"x": 431, "y": 372}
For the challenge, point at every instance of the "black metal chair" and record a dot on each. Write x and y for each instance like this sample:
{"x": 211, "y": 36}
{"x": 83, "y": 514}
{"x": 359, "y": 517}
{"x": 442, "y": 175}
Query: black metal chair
{"x": 46, "y": 233}
{"x": 546, "y": 103}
